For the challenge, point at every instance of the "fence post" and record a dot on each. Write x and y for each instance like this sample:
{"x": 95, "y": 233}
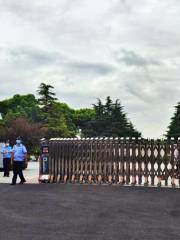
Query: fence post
{"x": 133, "y": 161}
{"x": 121, "y": 162}
{"x": 146, "y": 163}
{"x": 173, "y": 163}
{"x": 44, "y": 161}
{"x": 178, "y": 160}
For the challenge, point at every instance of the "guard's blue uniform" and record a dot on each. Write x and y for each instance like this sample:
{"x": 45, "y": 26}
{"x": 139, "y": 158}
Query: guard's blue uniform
{"x": 19, "y": 151}
{"x": 6, "y": 152}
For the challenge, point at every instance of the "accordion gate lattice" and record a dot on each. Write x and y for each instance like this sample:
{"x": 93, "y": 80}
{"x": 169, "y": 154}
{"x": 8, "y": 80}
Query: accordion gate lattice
{"x": 117, "y": 161}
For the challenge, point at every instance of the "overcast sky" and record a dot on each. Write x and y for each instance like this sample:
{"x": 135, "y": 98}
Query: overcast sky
{"x": 128, "y": 49}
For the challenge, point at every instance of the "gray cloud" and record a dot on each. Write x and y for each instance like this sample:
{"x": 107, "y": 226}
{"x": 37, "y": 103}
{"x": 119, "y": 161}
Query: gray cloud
{"x": 30, "y": 55}
{"x": 38, "y": 11}
{"x": 123, "y": 6}
{"x": 35, "y": 57}
{"x": 131, "y": 58}
{"x": 91, "y": 67}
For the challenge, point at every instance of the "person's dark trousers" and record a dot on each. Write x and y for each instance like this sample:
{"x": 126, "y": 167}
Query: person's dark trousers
{"x": 6, "y": 166}
{"x": 17, "y": 170}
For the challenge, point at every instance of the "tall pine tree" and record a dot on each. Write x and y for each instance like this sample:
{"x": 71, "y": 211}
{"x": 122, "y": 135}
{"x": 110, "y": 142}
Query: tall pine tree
{"x": 47, "y": 97}
{"x": 174, "y": 127}
{"x": 54, "y": 119}
{"x": 109, "y": 121}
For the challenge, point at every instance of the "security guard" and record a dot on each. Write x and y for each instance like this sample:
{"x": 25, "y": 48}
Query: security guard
{"x": 7, "y": 153}
{"x": 19, "y": 155}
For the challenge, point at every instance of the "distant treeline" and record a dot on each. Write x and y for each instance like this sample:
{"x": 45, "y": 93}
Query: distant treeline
{"x": 33, "y": 118}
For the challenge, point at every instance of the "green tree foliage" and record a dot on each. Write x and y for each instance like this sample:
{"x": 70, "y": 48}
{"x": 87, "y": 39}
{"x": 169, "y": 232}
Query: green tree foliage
{"x": 21, "y": 106}
{"x": 57, "y": 116}
{"x": 57, "y": 123}
{"x": 44, "y": 120}
{"x": 82, "y": 116}
{"x": 47, "y": 97}
{"x": 174, "y": 127}
{"x": 68, "y": 113}
{"x": 33, "y": 118}
{"x": 109, "y": 121}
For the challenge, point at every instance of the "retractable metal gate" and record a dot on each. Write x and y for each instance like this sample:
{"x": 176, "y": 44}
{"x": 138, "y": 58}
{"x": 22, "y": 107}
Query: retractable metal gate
{"x": 111, "y": 160}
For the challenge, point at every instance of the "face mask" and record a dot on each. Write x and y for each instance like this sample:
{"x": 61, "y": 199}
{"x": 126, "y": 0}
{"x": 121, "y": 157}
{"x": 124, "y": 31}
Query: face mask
{"x": 18, "y": 141}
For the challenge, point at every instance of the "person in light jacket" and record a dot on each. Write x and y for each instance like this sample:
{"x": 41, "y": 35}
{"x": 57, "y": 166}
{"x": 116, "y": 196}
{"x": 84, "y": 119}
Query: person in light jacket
{"x": 7, "y": 155}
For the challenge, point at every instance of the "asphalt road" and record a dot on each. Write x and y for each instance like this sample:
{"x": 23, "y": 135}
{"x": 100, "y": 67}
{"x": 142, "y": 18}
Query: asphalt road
{"x": 58, "y": 211}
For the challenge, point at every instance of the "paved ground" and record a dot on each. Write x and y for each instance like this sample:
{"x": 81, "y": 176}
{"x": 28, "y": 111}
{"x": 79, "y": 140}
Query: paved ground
{"x": 31, "y": 174}
{"x": 58, "y": 211}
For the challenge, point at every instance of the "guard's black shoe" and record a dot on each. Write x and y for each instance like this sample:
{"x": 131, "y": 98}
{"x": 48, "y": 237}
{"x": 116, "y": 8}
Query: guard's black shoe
{"x": 22, "y": 182}
{"x": 13, "y": 184}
